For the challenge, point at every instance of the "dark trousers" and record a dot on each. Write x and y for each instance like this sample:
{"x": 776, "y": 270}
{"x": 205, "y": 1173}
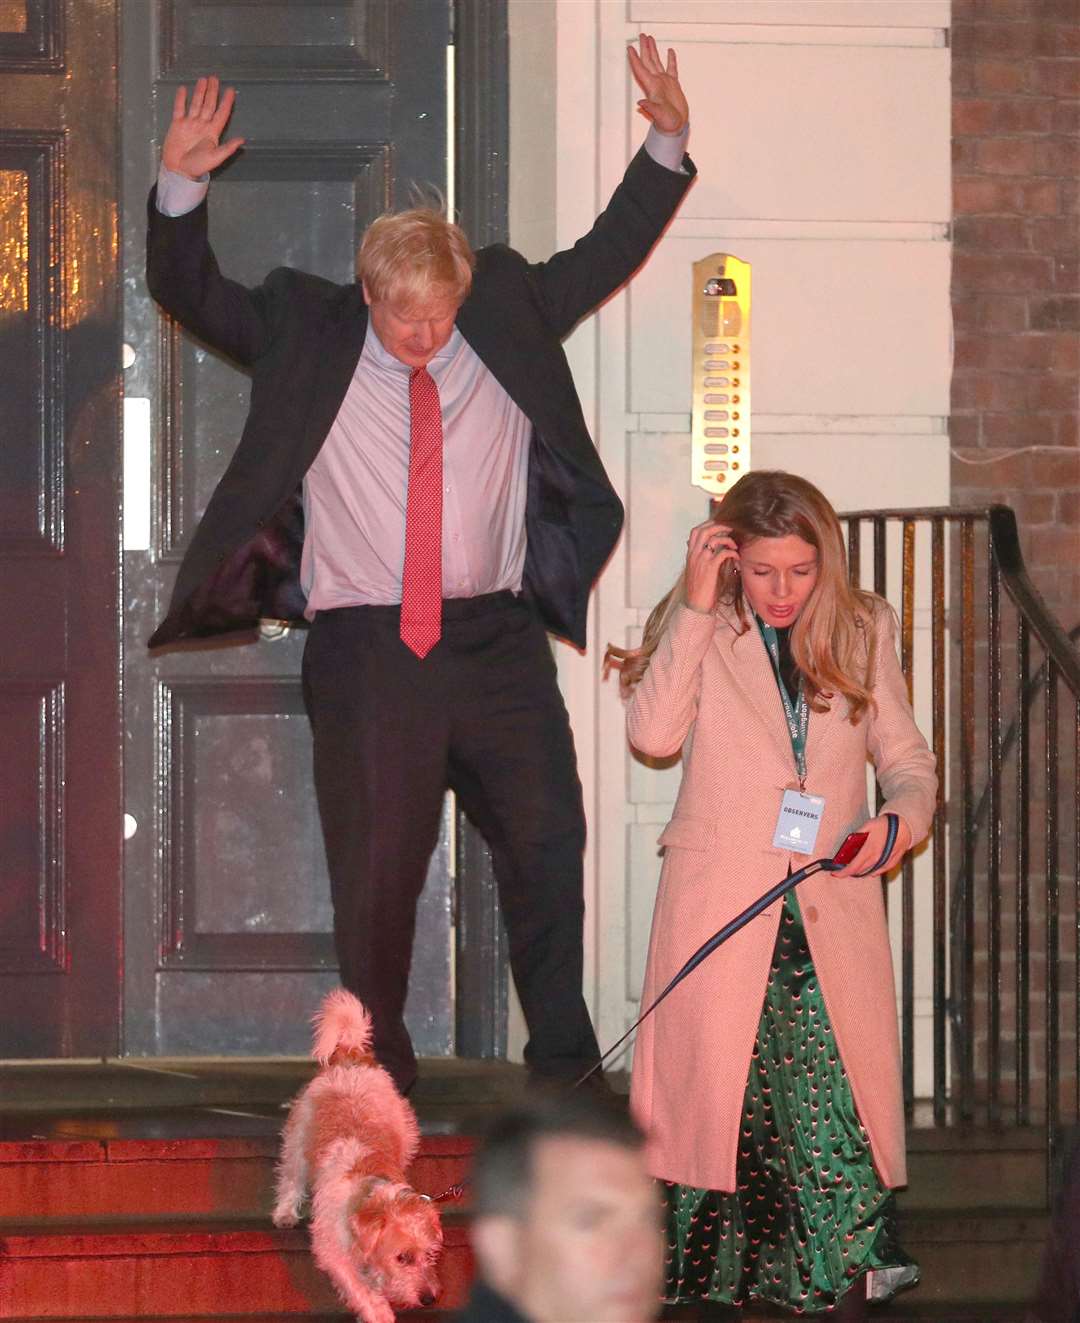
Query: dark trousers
{"x": 482, "y": 713}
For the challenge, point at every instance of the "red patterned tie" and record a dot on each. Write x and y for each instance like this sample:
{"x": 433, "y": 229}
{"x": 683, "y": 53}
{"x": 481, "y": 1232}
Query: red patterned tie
{"x": 421, "y": 582}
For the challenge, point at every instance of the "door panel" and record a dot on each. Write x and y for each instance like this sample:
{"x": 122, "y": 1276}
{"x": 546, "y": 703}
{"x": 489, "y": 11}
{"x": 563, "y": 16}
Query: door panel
{"x": 227, "y": 899}
{"x": 59, "y": 505}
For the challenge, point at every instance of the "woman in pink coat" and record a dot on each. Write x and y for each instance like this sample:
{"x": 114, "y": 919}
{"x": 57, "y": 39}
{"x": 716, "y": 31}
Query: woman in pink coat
{"x": 769, "y": 1081}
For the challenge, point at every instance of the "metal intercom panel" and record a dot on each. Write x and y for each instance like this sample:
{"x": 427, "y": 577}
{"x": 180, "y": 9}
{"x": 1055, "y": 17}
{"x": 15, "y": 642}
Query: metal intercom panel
{"x": 720, "y": 450}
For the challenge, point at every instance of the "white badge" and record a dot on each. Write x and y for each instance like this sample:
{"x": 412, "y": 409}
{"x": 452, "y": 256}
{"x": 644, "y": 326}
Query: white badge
{"x": 799, "y": 820}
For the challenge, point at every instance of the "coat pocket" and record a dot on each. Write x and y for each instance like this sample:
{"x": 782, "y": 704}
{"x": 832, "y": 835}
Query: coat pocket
{"x": 689, "y": 833}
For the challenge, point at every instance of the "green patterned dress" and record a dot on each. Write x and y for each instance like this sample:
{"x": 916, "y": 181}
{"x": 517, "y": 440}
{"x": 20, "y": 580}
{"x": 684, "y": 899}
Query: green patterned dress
{"x": 810, "y": 1216}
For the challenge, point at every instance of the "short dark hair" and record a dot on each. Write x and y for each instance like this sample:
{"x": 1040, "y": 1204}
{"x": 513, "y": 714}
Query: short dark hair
{"x": 502, "y": 1170}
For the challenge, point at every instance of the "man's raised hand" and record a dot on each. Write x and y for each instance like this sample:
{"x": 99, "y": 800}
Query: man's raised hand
{"x": 664, "y": 102}
{"x": 193, "y": 145}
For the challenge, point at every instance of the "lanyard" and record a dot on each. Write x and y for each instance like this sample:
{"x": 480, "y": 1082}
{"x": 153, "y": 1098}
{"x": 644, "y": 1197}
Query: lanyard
{"x": 797, "y": 717}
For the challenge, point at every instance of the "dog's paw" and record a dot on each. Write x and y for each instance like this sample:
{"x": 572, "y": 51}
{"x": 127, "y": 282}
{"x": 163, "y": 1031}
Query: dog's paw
{"x": 376, "y": 1311}
{"x": 286, "y": 1215}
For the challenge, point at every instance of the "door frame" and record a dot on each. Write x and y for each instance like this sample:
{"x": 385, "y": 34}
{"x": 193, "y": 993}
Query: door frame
{"x": 482, "y": 184}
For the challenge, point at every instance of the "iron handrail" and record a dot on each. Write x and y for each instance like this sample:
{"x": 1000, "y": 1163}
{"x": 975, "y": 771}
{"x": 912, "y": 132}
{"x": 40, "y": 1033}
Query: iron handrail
{"x": 1007, "y": 742}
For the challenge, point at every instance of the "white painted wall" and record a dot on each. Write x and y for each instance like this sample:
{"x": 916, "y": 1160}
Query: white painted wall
{"x": 821, "y": 132}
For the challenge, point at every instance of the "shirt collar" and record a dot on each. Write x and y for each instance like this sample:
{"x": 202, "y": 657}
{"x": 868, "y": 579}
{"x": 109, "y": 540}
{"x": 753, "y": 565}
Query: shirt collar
{"x": 376, "y": 351}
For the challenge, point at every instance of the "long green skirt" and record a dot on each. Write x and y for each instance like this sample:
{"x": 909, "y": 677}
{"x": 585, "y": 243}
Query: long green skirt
{"x": 810, "y": 1218}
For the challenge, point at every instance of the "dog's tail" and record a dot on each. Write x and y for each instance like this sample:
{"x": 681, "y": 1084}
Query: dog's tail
{"x": 341, "y": 1021}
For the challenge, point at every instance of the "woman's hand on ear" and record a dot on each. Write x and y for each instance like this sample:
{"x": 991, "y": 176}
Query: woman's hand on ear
{"x": 709, "y": 545}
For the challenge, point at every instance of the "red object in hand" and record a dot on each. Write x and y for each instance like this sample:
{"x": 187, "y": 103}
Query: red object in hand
{"x": 850, "y": 848}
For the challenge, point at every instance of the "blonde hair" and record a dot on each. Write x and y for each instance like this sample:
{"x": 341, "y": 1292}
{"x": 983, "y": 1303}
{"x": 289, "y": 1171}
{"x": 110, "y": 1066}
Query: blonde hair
{"x": 833, "y": 640}
{"x": 410, "y": 257}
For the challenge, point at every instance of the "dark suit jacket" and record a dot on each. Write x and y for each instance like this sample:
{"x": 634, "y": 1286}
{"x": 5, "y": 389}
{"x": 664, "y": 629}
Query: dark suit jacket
{"x": 486, "y": 1306}
{"x": 301, "y": 336}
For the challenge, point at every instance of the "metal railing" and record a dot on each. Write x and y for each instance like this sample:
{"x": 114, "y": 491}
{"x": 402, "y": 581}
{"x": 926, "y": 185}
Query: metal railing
{"x": 995, "y": 680}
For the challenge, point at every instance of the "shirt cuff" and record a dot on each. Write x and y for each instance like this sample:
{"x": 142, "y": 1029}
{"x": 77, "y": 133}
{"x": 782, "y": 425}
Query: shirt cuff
{"x": 177, "y": 194}
{"x": 668, "y": 149}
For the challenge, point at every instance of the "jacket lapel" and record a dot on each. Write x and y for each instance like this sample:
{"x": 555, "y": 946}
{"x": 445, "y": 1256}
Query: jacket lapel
{"x": 753, "y": 673}
{"x": 340, "y": 342}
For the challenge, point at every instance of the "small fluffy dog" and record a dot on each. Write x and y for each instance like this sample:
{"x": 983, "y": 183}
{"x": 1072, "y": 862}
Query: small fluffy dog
{"x": 350, "y": 1136}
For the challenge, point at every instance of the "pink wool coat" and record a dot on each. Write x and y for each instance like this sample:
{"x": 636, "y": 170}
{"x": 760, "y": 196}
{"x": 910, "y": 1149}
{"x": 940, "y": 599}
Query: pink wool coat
{"x": 711, "y": 692}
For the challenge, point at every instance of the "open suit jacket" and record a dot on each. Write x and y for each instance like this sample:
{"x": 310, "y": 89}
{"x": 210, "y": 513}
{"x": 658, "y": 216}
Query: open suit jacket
{"x": 710, "y": 690}
{"x": 300, "y": 337}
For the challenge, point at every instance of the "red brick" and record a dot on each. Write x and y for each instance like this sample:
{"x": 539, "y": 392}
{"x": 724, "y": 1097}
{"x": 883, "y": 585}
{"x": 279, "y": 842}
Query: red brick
{"x": 1021, "y": 353}
{"x": 1000, "y": 77}
{"x": 975, "y": 469}
{"x": 977, "y": 39}
{"x": 1040, "y": 197}
{"x": 1066, "y": 355}
{"x": 974, "y": 196}
{"x": 1034, "y": 507}
{"x": 980, "y": 115}
{"x": 964, "y": 156}
{"x": 1037, "y": 9}
{"x": 1059, "y": 77}
{"x": 1019, "y": 429}
{"x": 1057, "y": 156}
{"x": 1067, "y": 274}
{"x": 970, "y": 352}
{"x": 964, "y": 432}
{"x": 1054, "y": 235}
{"x": 1001, "y": 312}
{"x": 1055, "y": 314}
{"x": 1053, "y": 546}
{"x": 1066, "y": 116}
{"x": 1068, "y": 507}
{"x": 1008, "y": 156}
{"x": 1051, "y": 391}
{"x": 1058, "y": 39}
{"x": 1018, "y": 273}
{"x": 984, "y": 391}
{"x": 963, "y": 77}
{"x": 999, "y": 233}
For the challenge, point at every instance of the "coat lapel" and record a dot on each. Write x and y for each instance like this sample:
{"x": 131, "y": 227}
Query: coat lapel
{"x": 753, "y": 673}
{"x": 340, "y": 342}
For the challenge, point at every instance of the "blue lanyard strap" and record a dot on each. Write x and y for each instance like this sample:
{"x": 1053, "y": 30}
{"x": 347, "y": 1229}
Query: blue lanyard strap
{"x": 797, "y": 717}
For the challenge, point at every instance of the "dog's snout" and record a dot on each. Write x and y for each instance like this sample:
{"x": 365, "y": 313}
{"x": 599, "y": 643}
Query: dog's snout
{"x": 427, "y": 1300}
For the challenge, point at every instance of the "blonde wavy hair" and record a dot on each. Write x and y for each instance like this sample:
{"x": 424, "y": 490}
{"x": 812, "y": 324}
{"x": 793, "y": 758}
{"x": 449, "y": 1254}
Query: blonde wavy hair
{"x": 834, "y": 639}
{"x": 410, "y": 257}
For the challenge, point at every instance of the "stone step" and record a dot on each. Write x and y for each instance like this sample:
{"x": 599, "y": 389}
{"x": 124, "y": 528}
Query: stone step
{"x": 976, "y": 1257}
{"x": 967, "y": 1167}
{"x": 972, "y": 1264}
{"x": 177, "y": 1271}
{"x": 233, "y": 1176}
{"x": 162, "y": 1178}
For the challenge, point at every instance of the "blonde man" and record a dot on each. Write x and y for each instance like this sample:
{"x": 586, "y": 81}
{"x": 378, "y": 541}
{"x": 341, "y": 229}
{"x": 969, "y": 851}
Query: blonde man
{"x": 454, "y": 509}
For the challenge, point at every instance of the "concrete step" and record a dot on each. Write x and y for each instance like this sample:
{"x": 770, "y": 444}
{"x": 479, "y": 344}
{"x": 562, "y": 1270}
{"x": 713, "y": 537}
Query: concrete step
{"x": 233, "y": 1176}
{"x": 162, "y": 1178}
{"x": 901, "y": 1310}
{"x": 976, "y": 1257}
{"x": 177, "y": 1271}
{"x": 967, "y": 1167}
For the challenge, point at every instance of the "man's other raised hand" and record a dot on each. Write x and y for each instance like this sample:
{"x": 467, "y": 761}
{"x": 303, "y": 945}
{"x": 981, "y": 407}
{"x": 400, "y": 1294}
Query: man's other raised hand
{"x": 664, "y": 102}
{"x": 193, "y": 145}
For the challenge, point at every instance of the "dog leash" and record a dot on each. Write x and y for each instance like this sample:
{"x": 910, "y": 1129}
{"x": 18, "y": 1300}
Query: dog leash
{"x": 847, "y": 851}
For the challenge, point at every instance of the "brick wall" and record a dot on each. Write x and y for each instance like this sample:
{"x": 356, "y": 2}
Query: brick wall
{"x": 1016, "y": 276}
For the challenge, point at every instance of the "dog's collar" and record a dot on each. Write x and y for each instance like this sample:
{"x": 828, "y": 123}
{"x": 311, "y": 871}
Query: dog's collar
{"x": 350, "y": 1056}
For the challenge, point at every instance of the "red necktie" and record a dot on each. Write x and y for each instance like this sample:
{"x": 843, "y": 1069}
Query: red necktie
{"x": 421, "y": 582}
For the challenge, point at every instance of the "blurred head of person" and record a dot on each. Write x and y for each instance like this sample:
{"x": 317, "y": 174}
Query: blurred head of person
{"x": 566, "y": 1220}
{"x": 791, "y": 571}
